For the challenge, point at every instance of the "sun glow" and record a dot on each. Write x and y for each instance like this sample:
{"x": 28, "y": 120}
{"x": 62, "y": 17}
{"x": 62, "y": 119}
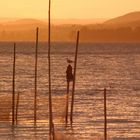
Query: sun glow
{"x": 68, "y": 8}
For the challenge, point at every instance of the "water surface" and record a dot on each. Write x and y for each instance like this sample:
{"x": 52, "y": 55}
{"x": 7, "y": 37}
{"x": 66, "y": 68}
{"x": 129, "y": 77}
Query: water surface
{"x": 115, "y": 66}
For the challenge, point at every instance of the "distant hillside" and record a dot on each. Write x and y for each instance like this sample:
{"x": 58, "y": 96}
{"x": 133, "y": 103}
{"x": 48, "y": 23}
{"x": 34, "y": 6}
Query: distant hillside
{"x": 122, "y": 29}
{"x": 22, "y": 24}
{"x": 130, "y": 19}
{"x": 78, "y": 21}
{"x": 53, "y": 21}
{"x": 28, "y": 22}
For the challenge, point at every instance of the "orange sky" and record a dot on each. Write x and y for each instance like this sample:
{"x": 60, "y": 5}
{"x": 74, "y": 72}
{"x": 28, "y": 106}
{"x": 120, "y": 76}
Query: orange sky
{"x": 88, "y": 9}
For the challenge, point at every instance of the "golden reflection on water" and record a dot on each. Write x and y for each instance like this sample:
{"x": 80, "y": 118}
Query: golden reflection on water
{"x": 98, "y": 67}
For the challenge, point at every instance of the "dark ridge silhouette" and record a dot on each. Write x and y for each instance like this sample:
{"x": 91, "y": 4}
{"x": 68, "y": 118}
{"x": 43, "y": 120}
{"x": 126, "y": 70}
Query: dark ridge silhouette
{"x": 127, "y": 19}
{"x": 28, "y": 21}
{"x": 122, "y": 29}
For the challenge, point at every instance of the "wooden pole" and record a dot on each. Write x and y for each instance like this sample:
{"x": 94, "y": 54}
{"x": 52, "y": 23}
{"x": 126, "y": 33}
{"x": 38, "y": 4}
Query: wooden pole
{"x": 13, "y": 93}
{"x": 73, "y": 88}
{"x": 67, "y": 103}
{"x": 17, "y": 105}
{"x": 105, "y": 116}
{"x": 51, "y": 125}
{"x": 36, "y": 60}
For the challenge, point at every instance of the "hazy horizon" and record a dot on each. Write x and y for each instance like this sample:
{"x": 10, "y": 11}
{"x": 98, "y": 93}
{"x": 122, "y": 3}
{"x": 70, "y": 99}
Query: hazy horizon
{"x": 58, "y": 21}
{"x": 82, "y": 21}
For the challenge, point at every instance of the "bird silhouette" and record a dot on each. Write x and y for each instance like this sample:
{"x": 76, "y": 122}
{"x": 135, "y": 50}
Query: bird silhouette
{"x": 69, "y": 61}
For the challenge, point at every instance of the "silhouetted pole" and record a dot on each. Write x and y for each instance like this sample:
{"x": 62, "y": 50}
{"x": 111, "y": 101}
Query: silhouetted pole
{"x": 51, "y": 125}
{"x": 67, "y": 103}
{"x": 36, "y": 60}
{"x": 73, "y": 88}
{"x": 105, "y": 116}
{"x": 17, "y": 105}
{"x": 13, "y": 94}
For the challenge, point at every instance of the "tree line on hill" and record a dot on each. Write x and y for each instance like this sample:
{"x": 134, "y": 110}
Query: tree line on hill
{"x": 88, "y": 33}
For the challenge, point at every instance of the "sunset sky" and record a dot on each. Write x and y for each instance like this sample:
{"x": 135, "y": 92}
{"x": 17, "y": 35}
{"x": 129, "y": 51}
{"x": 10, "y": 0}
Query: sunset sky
{"x": 67, "y": 9}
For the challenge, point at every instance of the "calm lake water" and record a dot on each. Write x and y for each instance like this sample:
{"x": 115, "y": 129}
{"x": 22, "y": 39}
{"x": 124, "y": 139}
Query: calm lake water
{"x": 115, "y": 66}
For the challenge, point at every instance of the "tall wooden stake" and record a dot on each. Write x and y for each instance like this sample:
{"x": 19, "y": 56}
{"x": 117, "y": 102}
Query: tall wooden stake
{"x": 49, "y": 72}
{"x": 105, "y": 116}
{"x": 13, "y": 94}
{"x": 17, "y": 105}
{"x": 36, "y": 60}
{"x": 73, "y": 88}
